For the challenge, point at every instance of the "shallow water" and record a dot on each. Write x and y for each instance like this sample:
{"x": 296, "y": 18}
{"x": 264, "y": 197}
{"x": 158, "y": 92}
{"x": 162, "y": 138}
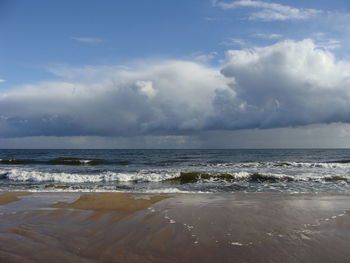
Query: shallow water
{"x": 268, "y": 170}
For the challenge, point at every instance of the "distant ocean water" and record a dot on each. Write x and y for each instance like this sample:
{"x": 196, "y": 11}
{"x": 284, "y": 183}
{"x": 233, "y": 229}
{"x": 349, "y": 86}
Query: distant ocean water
{"x": 267, "y": 170}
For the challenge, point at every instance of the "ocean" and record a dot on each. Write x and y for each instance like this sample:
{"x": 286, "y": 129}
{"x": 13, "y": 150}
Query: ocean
{"x": 176, "y": 171}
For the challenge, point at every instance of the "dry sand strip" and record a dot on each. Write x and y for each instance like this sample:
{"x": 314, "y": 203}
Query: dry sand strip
{"x": 130, "y": 228}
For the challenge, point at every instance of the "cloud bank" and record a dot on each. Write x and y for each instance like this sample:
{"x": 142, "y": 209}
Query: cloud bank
{"x": 286, "y": 84}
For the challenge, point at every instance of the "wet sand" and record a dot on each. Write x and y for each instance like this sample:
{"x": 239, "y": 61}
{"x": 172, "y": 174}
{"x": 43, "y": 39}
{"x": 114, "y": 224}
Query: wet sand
{"x": 119, "y": 227}
{"x": 6, "y": 198}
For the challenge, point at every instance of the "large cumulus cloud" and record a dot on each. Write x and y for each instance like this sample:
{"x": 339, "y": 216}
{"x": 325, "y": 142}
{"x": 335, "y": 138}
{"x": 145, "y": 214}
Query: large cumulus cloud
{"x": 154, "y": 98}
{"x": 289, "y": 83}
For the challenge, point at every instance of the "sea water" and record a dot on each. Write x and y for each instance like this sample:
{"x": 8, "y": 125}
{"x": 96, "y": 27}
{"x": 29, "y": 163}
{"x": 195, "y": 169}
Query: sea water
{"x": 167, "y": 171}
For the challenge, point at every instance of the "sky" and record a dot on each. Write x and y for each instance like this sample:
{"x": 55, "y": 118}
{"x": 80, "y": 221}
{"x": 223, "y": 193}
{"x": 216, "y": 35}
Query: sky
{"x": 174, "y": 74}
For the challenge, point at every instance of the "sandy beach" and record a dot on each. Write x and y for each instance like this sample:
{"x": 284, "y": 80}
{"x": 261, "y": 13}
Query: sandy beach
{"x": 131, "y": 227}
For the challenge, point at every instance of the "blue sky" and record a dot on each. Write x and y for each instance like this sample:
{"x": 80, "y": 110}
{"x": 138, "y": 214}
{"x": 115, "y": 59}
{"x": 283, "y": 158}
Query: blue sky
{"x": 161, "y": 56}
{"x": 38, "y": 34}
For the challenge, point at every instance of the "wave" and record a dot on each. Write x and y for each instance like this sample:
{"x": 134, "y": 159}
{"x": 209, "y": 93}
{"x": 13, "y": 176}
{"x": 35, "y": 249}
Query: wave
{"x": 193, "y": 177}
{"x": 64, "y": 161}
{"x": 327, "y": 165}
{"x": 76, "y": 161}
{"x": 37, "y": 176}
{"x": 18, "y": 161}
{"x": 341, "y": 161}
{"x": 167, "y": 177}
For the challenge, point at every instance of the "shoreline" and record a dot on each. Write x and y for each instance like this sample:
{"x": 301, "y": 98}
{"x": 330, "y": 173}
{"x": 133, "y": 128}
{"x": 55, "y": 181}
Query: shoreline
{"x": 175, "y": 227}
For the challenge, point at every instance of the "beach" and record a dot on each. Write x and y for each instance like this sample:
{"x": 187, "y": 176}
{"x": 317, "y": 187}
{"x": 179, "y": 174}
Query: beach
{"x": 139, "y": 227}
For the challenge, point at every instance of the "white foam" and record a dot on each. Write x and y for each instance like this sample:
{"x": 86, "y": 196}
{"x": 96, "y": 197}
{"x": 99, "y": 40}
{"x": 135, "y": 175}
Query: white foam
{"x": 320, "y": 165}
{"x": 236, "y": 244}
{"x": 101, "y": 189}
{"x": 27, "y": 175}
{"x": 173, "y": 191}
{"x": 37, "y": 176}
{"x": 85, "y": 161}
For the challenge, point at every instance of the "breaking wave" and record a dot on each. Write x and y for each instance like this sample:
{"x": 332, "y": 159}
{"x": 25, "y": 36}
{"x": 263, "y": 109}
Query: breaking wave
{"x": 328, "y": 165}
{"x": 178, "y": 177}
{"x": 37, "y": 176}
{"x": 193, "y": 177}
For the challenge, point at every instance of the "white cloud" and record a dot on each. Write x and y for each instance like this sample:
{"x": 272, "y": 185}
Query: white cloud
{"x": 210, "y": 19}
{"x": 268, "y": 36}
{"x": 329, "y": 44}
{"x": 2, "y": 80}
{"x": 234, "y": 42}
{"x": 325, "y": 42}
{"x": 202, "y": 57}
{"x": 160, "y": 97}
{"x": 87, "y": 74}
{"x": 88, "y": 39}
{"x": 290, "y": 83}
{"x": 146, "y": 88}
{"x": 269, "y": 11}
